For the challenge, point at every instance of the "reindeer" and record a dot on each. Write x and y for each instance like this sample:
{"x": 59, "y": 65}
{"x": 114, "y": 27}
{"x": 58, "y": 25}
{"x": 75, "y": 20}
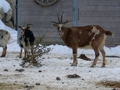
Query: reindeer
{"x": 26, "y": 41}
{"x": 4, "y": 38}
{"x": 87, "y": 37}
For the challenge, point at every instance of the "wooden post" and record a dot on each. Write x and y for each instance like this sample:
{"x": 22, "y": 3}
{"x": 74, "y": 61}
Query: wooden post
{"x": 18, "y": 18}
{"x": 75, "y": 13}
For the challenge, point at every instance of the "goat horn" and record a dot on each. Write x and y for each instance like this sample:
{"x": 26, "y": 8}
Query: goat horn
{"x": 66, "y": 21}
{"x": 29, "y": 24}
{"x": 62, "y": 17}
{"x": 58, "y": 19}
{"x": 54, "y": 22}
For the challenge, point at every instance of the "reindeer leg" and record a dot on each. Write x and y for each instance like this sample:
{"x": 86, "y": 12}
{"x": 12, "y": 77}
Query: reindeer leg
{"x": 25, "y": 54}
{"x": 31, "y": 60}
{"x": 75, "y": 62}
{"x": 20, "y": 53}
{"x": 32, "y": 57}
{"x": 96, "y": 57}
{"x": 4, "y": 51}
{"x": 103, "y": 54}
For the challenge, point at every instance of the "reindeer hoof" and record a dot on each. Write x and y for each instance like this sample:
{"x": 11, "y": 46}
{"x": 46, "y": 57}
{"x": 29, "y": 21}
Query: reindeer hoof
{"x": 3, "y": 56}
{"x": 74, "y": 65}
{"x": 103, "y": 66}
{"x": 19, "y": 56}
{"x": 24, "y": 58}
{"x": 92, "y": 66}
{"x": 25, "y": 66}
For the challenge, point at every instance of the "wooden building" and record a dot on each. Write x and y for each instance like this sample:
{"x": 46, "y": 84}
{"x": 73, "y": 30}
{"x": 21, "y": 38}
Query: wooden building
{"x": 105, "y": 13}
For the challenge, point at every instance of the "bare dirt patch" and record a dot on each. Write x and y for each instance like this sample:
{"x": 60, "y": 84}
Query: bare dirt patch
{"x": 111, "y": 84}
{"x": 4, "y": 86}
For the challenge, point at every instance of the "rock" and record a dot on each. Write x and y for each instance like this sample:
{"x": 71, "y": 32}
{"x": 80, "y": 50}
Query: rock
{"x": 5, "y": 70}
{"x": 113, "y": 89}
{"x": 57, "y": 78}
{"x": 82, "y": 56}
{"x": 6, "y": 15}
{"x": 29, "y": 87}
{"x": 10, "y": 24}
{"x": 39, "y": 71}
{"x": 19, "y": 70}
{"x": 37, "y": 84}
{"x": 1, "y": 13}
{"x": 73, "y": 76}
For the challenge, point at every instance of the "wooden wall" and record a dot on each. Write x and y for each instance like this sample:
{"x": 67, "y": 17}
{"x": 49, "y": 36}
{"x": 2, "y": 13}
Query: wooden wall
{"x": 41, "y": 18}
{"x": 105, "y": 13}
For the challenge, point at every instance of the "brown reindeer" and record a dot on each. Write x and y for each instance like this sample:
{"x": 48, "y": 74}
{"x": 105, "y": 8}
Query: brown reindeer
{"x": 90, "y": 37}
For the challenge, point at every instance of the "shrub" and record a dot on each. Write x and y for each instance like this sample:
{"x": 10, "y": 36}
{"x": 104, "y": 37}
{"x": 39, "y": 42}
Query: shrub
{"x": 38, "y": 51}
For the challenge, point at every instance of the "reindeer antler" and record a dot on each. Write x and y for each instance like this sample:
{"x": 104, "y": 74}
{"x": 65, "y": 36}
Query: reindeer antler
{"x": 58, "y": 18}
{"x": 54, "y": 22}
{"x": 62, "y": 17}
{"x": 66, "y": 21}
{"x": 29, "y": 24}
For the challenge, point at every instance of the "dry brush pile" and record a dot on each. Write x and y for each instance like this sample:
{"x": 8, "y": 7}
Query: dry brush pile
{"x": 38, "y": 50}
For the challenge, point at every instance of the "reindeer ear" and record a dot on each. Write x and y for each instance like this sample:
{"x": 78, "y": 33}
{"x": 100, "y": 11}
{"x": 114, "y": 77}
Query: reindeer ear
{"x": 28, "y": 26}
{"x": 55, "y": 25}
{"x": 19, "y": 26}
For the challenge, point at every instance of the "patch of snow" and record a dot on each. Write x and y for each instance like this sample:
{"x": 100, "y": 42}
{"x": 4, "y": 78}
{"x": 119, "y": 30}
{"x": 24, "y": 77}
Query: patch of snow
{"x": 5, "y": 5}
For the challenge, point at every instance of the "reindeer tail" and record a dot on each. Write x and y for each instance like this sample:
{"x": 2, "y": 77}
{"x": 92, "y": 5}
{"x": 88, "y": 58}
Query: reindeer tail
{"x": 109, "y": 33}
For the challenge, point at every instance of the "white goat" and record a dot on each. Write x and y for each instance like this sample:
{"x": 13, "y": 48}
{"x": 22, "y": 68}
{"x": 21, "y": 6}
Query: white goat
{"x": 4, "y": 38}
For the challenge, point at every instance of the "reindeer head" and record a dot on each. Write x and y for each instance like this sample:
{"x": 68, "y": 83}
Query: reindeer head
{"x": 25, "y": 27}
{"x": 60, "y": 24}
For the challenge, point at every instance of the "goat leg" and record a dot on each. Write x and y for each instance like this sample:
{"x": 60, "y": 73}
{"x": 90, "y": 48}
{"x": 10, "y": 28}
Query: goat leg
{"x": 20, "y": 53}
{"x": 31, "y": 61}
{"x": 96, "y": 58}
{"x": 4, "y": 51}
{"x": 32, "y": 57}
{"x": 103, "y": 54}
{"x": 25, "y": 54}
{"x": 74, "y": 57}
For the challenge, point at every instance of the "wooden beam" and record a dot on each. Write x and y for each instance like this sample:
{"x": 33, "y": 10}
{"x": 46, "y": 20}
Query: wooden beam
{"x": 75, "y": 13}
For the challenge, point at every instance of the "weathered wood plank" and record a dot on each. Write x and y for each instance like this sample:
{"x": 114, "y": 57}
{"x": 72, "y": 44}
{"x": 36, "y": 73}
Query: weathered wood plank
{"x": 99, "y": 19}
{"x": 99, "y": 2}
{"x": 99, "y": 14}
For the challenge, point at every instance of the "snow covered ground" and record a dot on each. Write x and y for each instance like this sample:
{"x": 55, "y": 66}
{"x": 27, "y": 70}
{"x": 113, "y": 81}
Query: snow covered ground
{"x": 56, "y": 66}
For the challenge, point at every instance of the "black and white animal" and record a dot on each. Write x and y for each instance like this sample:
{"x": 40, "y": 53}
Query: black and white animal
{"x": 4, "y": 38}
{"x": 26, "y": 40}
